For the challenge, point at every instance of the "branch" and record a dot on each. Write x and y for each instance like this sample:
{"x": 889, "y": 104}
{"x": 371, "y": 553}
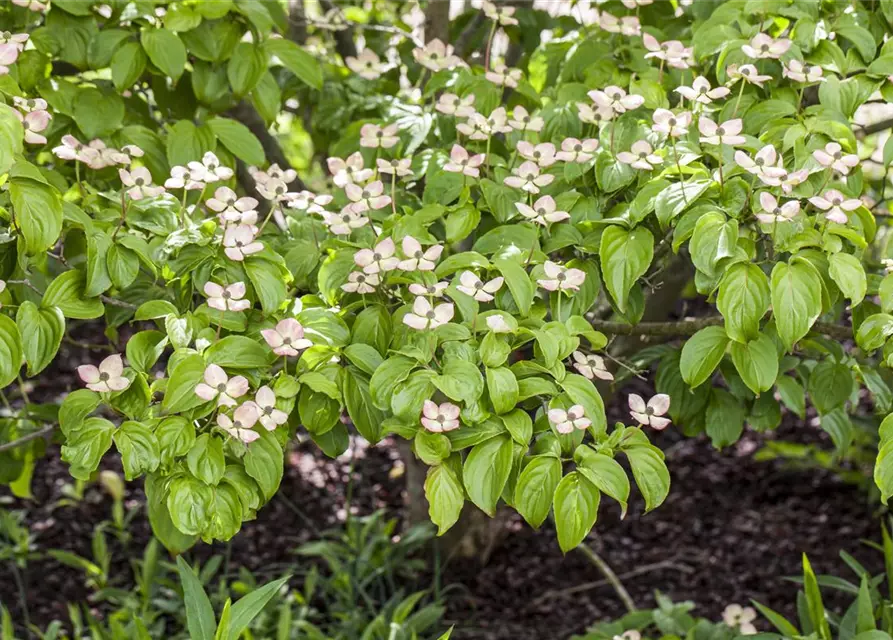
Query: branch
{"x": 869, "y": 129}
{"x": 610, "y": 576}
{"x": 7, "y": 446}
{"x": 468, "y": 32}
{"x": 114, "y": 302}
{"x": 437, "y": 21}
{"x": 691, "y": 327}
{"x": 344, "y": 43}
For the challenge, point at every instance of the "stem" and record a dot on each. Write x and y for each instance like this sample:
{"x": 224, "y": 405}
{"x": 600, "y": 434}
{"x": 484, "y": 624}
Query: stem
{"x": 610, "y": 576}
{"x": 488, "y": 153}
{"x": 612, "y": 137}
{"x": 121, "y": 219}
{"x": 660, "y": 75}
{"x": 679, "y": 169}
{"x": 22, "y": 391}
{"x": 35, "y": 435}
{"x": 721, "y": 181}
{"x": 23, "y": 596}
{"x": 738, "y": 101}
{"x": 489, "y": 45}
{"x": 394, "y": 192}
{"x": 558, "y": 305}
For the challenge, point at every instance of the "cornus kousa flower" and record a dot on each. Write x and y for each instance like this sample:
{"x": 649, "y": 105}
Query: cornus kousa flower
{"x": 308, "y": 201}
{"x": 240, "y": 425}
{"x": 436, "y": 55}
{"x": 344, "y": 222}
{"x": 560, "y": 278}
{"x": 888, "y": 264}
{"x": 416, "y": 258}
{"x": 746, "y": 72}
{"x": 286, "y": 338}
{"x": 523, "y": 121}
{"x": 700, "y": 91}
{"x": 763, "y": 46}
{"x": 452, "y": 105}
{"x": 33, "y": 123}
{"x": 627, "y": 25}
{"x": 799, "y": 72}
{"x": 773, "y": 213}
{"x": 566, "y": 421}
{"x": 396, "y": 167}
{"x": 593, "y": 115}
{"x": 220, "y": 386}
{"x": 591, "y": 366}
{"x": 650, "y": 413}
{"x": 348, "y": 171}
{"x": 270, "y": 417}
{"x": 139, "y": 181}
{"x": 669, "y": 51}
{"x": 9, "y": 53}
{"x": 231, "y": 208}
{"x": 740, "y": 618}
{"x": 367, "y": 64}
{"x": 274, "y": 190}
{"x": 369, "y": 197}
{"x": 27, "y": 105}
{"x": 793, "y": 179}
{"x": 763, "y": 165}
{"x": 274, "y": 172}
{"x": 497, "y": 121}
{"x": 229, "y": 298}
{"x": 107, "y": 377}
{"x": 210, "y": 168}
{"x": 725, "y": 133}
{"x": 379, "y": 259}
{"x": 497, "y": 324}
{"x": 239, "y": 241}
{"x": 476, "y": 127}
{"x": 359, "y": 282}
{"x": 833, "y": 156}
{"x": 373, "y": 136}
{"x": 503, "y": 76}
{"x": 640, "y": 156}
{"x": 616, "y": 99}
{"x": 462, "y": 162}
{"x": 435, "y": 290}
{"x": 672, "y": 124}
{"x": 835, "y": 205}
{"x": 502, "y": 15}
{"x": 527, "y": 177}
{"x": 439, "y": 418}
{"x": 424, "y": 315}
{"x": 184, "y": 178}
{"x": 69, "y": 149}
{"x": 543, "y": 211}
{"x": 18, "y": 40}
{"x": 573, "y": 150}
{"x": 543, "y": 154}
{"x": 471, "y": 285}
{"x": 32, "y": 5}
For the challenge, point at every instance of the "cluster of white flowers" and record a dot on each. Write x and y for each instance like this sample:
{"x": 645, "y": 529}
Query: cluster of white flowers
{"x": 95, "y": 154}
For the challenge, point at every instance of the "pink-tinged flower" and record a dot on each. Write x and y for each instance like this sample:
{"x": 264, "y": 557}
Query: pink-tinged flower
{"x": 97, "y": 155}
{"x": 471, "y": 285}
{"x": 132, "y": 151}
{"x": 746, "y": 72}
{"x": 763, "y": 46}
{"x": 835, "y": 205}
{"x": 543, "y": 154}
{"x": 436, "y": 55}
{"x": 32, "y": 5}
{"x": 344, "y": 222}
{"x": 574, "y": 150}
{"x": 523, "y": 121}
{"x": 435, "y": 290}
{"x": 309, "y": 201}
{"x": 367, "y": 64}
{"x": 476, "y": 127}
{"x": 593, "y": 115}
{"x": 379, "y": 259}
{"x": 650, "y": 413}
{"x": 640, "y": 156}
{"x": 833, "y": 156}
{"x": 17, "y": 39}
{"x": 348, "y": 171}
{"x": 500, "y": 14}
{"x": 27, "y": 105}
{"x": 239, "y": 242}
{"x": 560, "y": 278}
{"x": 220, "y": 386}
{"x": 140, "y": 184}
{"x": 527, "y": 177}
{"x": 627, "y": 25}
{"x": 462, "y": 162}
{"x": 503, "y": 76}
{"x": 452, "y": 105}
{"x": 416, "y": 258}
{"x": 396, "y": 167}
{"x": 240, "y": 425}
{"x": 225, "y": 198}
{"x": 210, "y": 169}
{"x": 274, "y": 172}
{"x": 740, "y": 618}
{"x": 229, "y": 298}
{"x": 497, "y": 324}
{"x": 726, "y": 133}
{"x": 286, "y": 338}
{"x": 359, "y": 282}
{"x": 275, "y": 190}
{"x": 632, "y": 4}
{"x": 438, "y": 419}
{"x": 424, "y": 315}
{"x": 615, "y": 98}
{"x": 672, "y": 124}
{"x": 107, "y": 377}
{"x": 591, "y": 366}
{"x": 33, "y": 123}
{"x": 270, "y": 417}
{"x": 373, "y": 136}
{"x": 543, "y": 211}
{"x": 184, "y": 178}
{"x": 369, "y": 197}
{"x": 669, "y": 50}
{"x": 799, "y": 72}
{"x": 773, "y": 213}
{"x": 793, "y": 179}
{"x": 497, "y": 121}
{"x": 566, "y": 421}
{"x": 765, "y": 165}
{"x": 69, "y": 149}
{"x": 700, "y": 91}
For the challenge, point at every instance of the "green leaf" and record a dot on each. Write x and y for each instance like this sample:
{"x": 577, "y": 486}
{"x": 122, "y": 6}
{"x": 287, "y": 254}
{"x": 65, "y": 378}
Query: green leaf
{"x": 861, "y": 38}
{"x": 238, "y": 139}
{"x": 179, "y": 395}
{"x": 651, "y": 474}
{"x": 245, "y": 68}
{"x": 625, "y": 257}
{"x": 199, "y": 614}
{"x": 502, "y": 386}
{"x": 295, "y": 59}
{"x": 38, "y": 213}
{"x": 265, "y": 462}
{"x": 612, "y": 175}
{"x": 186, "y": 142}
{"x": 67, "y": 293}
{"x": 724, "y": 419}
{"x": 384, "y": 381}
{"x": 176, "y": 435}
{"x": 98, "y": 113}
{"x": 486, "y": 471}
{"x": 41, "y": 331}
{"x": 445, "y": 497}
{"x": 139, "y": 449}
{"x": 605, "y": 473}
{"x": 145, "y": 348}
{"x": 123, "y": 265}
{"x": 701, "y": 355}
{"x": 874, "y": 331}
{"x": 519, "y": 425}
{"x": 792, "y": 395}
{"x": 883, "y": 471}
{"x": 714, "y": 238}
{"x": 756, "y": 362}
{"x": 576, "y": 503}
{"x": 205, "y": 459}
{"x": 847, "y": 272}
{"x": 500, "y": 200}
{"x": 431, "y": 448}
{"x": 11, "y": 135}
{"x": 76, "y": 406}
{"x": 86, "y": 445}
{"x": 814, "y": 601}
{"x": 249, "y": 607}
{"x": 10, "y": 351}
{"x": 460, "y": 380}
{"x": 830, "y": 385}
{"x": 678, "y": 197}
{"x": 128, "y": 64}
{"x": 238, "y": 352}
{"x": 583, "y": 392}
{"x": 536, "y": 487}
{"x": 518, "y": 282}
{"x": 796, "y": 299}
{"x": 743, "y": 300}
{"x": 166, "y": 51}
{"x": 365, "y": 416}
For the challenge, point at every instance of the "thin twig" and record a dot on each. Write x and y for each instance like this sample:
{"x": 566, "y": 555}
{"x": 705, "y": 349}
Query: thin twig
{"x": 7, "y": 446}
{"x": 610, "y": 576}
{"x": 118, "y": 303}
{"x": 869, "y": 129}
{"x": 684, "y": 328}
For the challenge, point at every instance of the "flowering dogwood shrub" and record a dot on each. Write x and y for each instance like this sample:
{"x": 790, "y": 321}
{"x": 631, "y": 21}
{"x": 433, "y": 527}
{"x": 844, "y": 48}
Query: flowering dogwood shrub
{"x": 488, "y": 221}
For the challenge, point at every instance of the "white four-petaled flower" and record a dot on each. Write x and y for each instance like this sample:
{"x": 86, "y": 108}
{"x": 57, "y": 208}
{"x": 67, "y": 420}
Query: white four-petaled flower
{"x": 591, "y": 366}
{"x": 471, "y": 285}
{"x": 229, "y": 298}
{"x": 773, "y": 213}
{"x": 835, "y": 205}
{"x": 240, "y": 425}
{"x": 220, "y": 386}
{"x": 566, "y": 421}
{"x": 640, "y": 156}
{"x": 107, "y": 377}
{"x": 439, "y": 418}
{"x": 543, "y": 211}
{"x": 286, "y": 338}
{"x": 462, "y": 162}
{"x": 833, "y": 156}
{"x": 650, "y": 413}
{"x": 270, "y": 417}
{"x": 560, "y": 278}
{"x": 379, "y": 259}
{"x": 418, "y": 259}
{"x": 424, "y": 315}
{"x": 528, "y": 178}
